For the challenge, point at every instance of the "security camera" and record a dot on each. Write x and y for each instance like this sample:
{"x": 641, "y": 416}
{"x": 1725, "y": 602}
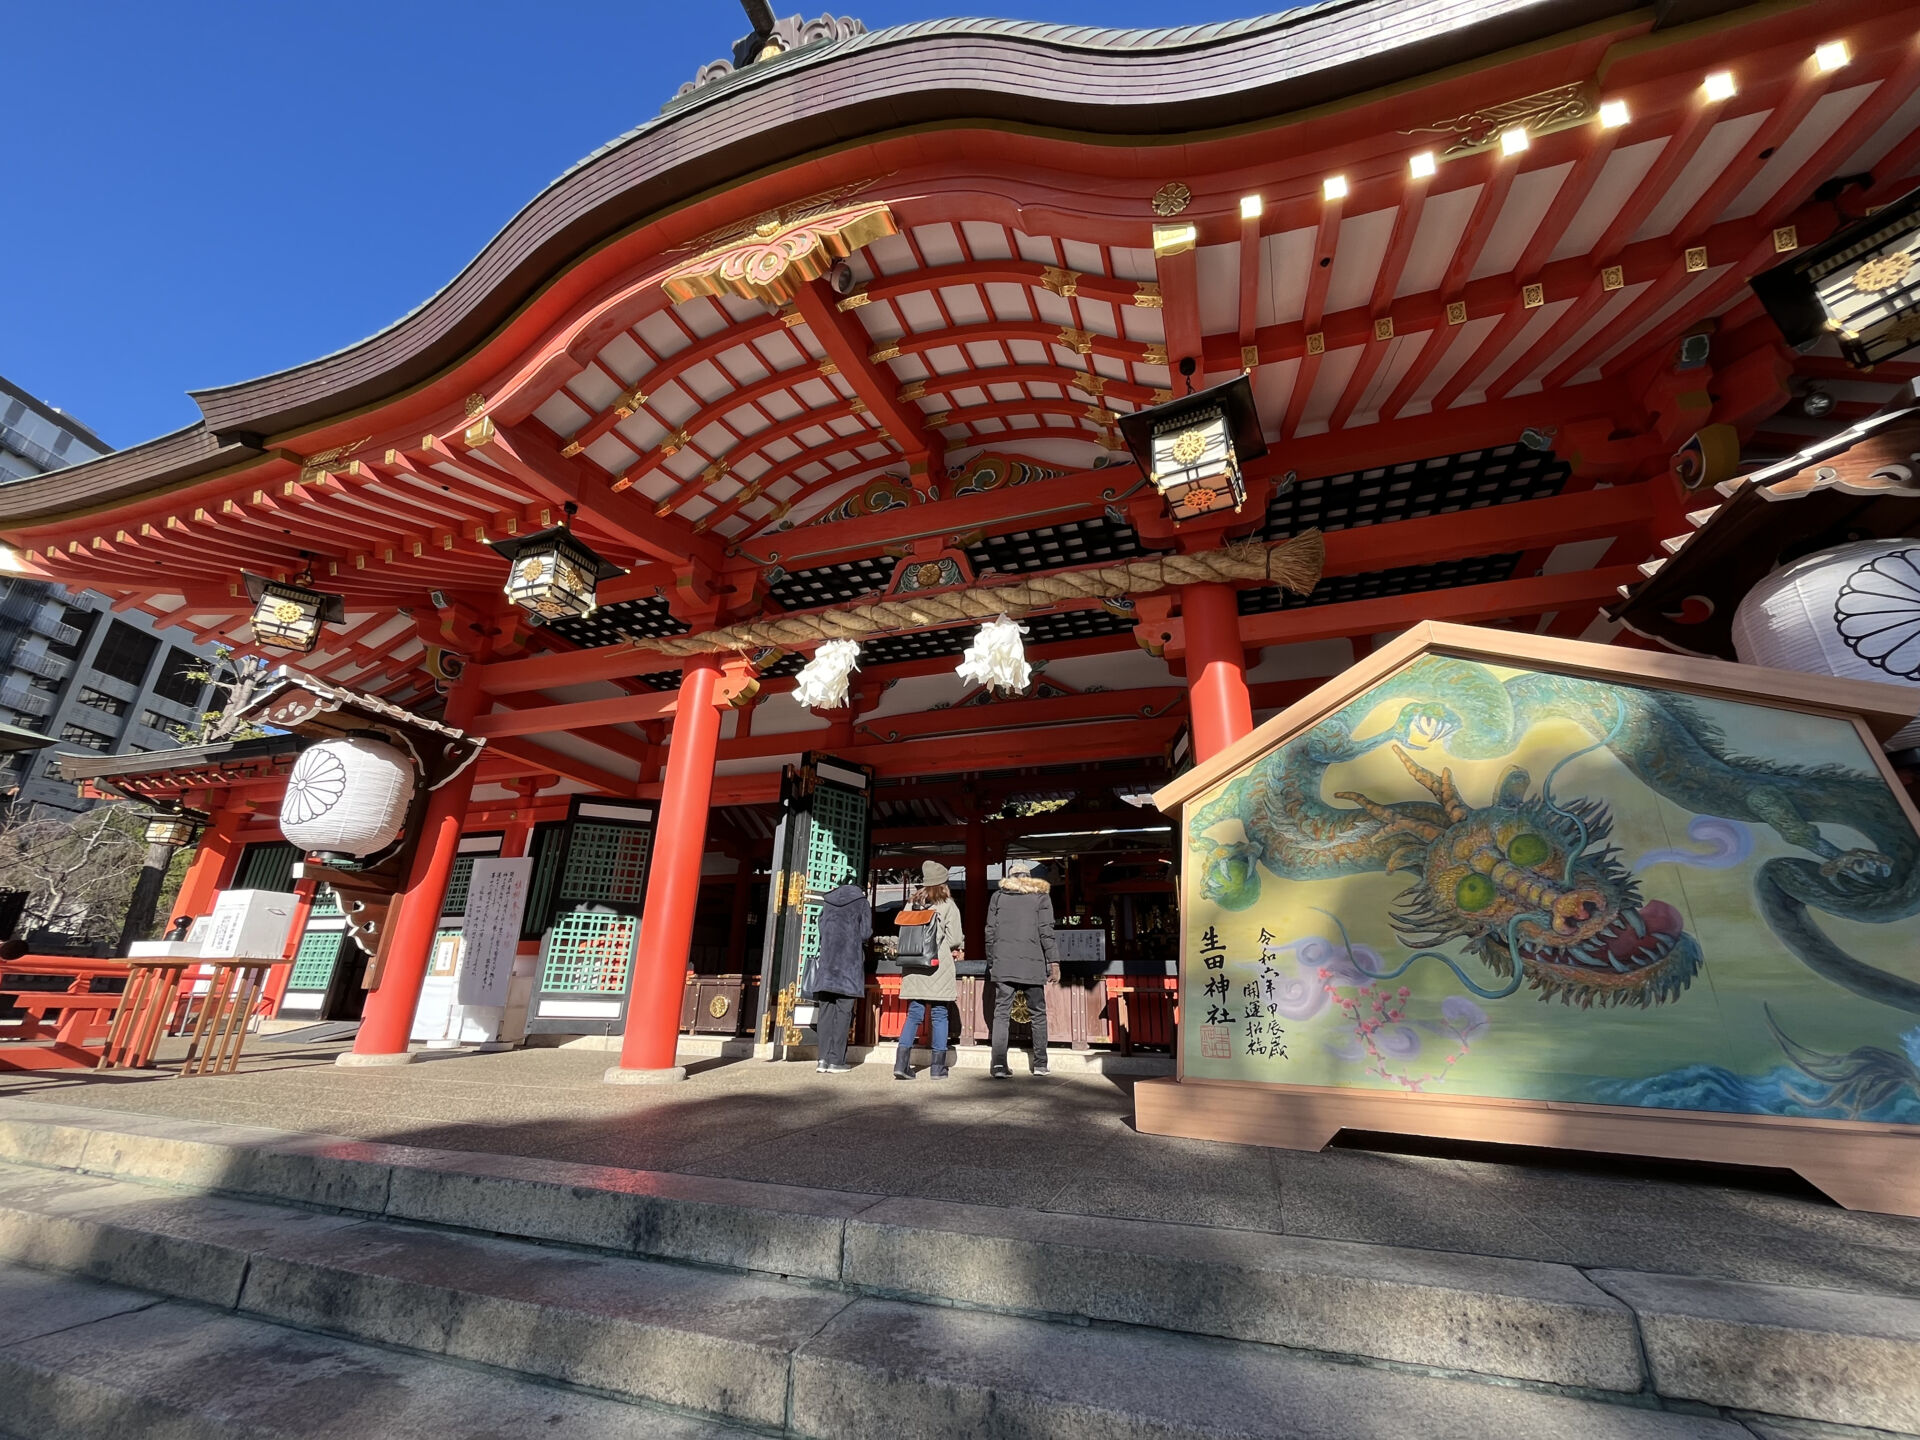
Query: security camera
{"x": 841, "y": 278}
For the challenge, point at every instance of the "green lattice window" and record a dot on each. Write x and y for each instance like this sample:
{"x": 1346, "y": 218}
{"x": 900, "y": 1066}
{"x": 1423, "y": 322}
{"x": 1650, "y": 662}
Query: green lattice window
{"x": 589, "y": 952}
{"x": 313, "y": 962}
{"x": 606, "y": 864}
{"x": 458, "y": 883}
{"x": 836, "y": 853}
{"x": 267, "y": 865}
{"x": 326, "y": 902}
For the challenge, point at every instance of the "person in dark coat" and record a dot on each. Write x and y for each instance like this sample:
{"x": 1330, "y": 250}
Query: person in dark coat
{"x": 839, "y": 975}
{"x": 1021, "y": 951}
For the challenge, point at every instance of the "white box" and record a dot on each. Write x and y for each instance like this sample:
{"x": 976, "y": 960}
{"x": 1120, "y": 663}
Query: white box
{"x": 247, "y": 923}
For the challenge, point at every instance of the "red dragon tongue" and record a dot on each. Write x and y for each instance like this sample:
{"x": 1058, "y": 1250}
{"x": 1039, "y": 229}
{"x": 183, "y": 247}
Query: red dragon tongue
{"x": 1662, "y": 918}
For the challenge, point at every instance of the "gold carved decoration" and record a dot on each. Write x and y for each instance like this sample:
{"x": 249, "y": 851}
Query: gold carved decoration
{"x": 1159, "y": 397}
{"x": 1456, "y": 312}
{"x": 1171, "y": 198}
{"x": 881, "y": 353}
{"x": 1078, "y": 341}
{"x": 717, "y": 1007}
{"x": 1148, "y": 296}
{"x": 1317, "y": 343}
{"x": 1154, "y": 355}
{"x": 1249, "y": 356}
{"x": 1532, "y": 297}
{"x": 857, "y": 406}
{"x": 827, "y": 367}
{"x": 570, "y": 449}
{"x": 713, "y": 472}
{"x": 1090, "y": 384}
{"x": 1064, "y": 283}
{"x": 1786, "y": 238}
{"x": 629, "y": 401}
{"x": 1099, "y": 415}
{"x": 318, "y": 467}
{"x": 938, "y": 419}
{"x": 1541, "y": 113}
{"x": 476, "y": 404}
{"x": 1613, "y": 277}
{"x": 1383, "y": 328}
{"x": 1189, "y": 446}
{"x": 855, "y": 298}
{"x": 675, "y": 443}
{"x": 1883, "y": 272}
{"x": 1696, "y": 259}
{"x": 912, "y": 390}
{"x": 770, "y": 256}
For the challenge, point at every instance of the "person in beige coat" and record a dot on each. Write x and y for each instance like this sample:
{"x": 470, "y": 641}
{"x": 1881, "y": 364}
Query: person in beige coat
{"x": 934, "y": 989}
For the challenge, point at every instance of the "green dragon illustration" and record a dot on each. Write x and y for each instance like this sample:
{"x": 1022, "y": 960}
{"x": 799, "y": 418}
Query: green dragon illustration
{"x": 1527, "y": 875}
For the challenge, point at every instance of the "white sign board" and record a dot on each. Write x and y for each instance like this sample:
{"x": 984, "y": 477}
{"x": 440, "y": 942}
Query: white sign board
{"x": 1082, "y": 946}
{"x": 496, "y": 898}
{"x": 247, "y": 923}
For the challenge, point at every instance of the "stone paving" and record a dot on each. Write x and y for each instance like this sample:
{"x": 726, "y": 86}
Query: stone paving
{"x": 1059, "y": 1145}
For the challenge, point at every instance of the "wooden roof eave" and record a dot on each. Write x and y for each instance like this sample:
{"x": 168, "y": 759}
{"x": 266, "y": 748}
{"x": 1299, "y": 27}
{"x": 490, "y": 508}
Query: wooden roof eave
{"x": 1886, "y": 709}
{"x": 1175, "y": 81}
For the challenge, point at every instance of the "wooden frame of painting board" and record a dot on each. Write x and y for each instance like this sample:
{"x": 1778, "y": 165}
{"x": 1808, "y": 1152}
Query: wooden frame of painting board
{"x": 1860, "y": 1165}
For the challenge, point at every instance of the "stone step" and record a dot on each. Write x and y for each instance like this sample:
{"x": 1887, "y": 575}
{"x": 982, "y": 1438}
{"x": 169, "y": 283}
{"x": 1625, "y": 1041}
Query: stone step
{"x": 792, "y": 1359}
{"x": 1522, "y": 1319}
{"x": 84, "y": 1361}
{"x": 1514, "y": 1320}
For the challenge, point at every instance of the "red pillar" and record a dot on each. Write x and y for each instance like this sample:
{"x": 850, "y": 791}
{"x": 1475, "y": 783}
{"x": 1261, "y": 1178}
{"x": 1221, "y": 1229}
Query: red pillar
{"x": 209, "y": 865}
{"x": 1216, "y": 668}
{"x": 416, "y": 914}
{"x": 651, "y": 1043}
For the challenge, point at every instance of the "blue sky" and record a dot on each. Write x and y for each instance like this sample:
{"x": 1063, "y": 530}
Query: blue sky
{"x": 201, "y": 192}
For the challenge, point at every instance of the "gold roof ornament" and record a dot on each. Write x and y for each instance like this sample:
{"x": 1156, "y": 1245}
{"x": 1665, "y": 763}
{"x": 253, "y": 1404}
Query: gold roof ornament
{"x": 769, "y": 256}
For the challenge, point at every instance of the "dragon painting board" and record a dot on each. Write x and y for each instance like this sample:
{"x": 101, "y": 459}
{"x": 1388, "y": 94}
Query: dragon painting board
{"x": 1478, "y": 878}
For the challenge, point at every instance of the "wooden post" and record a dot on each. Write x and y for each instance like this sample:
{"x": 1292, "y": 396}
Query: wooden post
{"x": 651, "y": 1042}
{"x": 210, "y": 864}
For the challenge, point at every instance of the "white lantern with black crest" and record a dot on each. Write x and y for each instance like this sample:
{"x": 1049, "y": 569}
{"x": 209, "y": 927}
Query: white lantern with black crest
{"x": 347, "y": 796}
{"x": 287, "y": 615}
{"x": 1193, "y": 448}
{"x": 554, "y": 574}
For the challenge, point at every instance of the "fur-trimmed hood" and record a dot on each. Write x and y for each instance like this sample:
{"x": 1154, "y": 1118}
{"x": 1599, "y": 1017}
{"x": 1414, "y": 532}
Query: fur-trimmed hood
{"x": 1025, "y": 885}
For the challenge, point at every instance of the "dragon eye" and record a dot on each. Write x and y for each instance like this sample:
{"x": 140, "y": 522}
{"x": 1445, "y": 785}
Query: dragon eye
{"x": 1474, "y": 892}
{"x": 1528, "y": 850}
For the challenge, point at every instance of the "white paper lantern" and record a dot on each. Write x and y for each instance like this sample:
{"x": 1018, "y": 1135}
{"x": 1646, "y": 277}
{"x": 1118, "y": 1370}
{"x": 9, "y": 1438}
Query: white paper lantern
{"x": 997, "y": 658}
{"x": 822, "y": 681}
{"x": 347, "y": 796}
{"x": 1853, "y": 611}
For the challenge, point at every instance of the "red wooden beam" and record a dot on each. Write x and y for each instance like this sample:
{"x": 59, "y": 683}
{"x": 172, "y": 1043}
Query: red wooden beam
{"x": 580, "y": 715}
{"x": 1176, "y": 268}
{"x": 847, "y": 344}
{"x": 541, "y": 758}
{"x": 1464, "y": 604}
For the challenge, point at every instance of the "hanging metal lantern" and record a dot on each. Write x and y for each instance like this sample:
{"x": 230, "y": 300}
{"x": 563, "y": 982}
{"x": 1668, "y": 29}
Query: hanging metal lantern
{"x": 554, "y": 574}
{"x": 1862, "y": 286}
{"x": 287, "y": 615}
{"x": 1193, "y": 448}
{"x": 169, "y": 829}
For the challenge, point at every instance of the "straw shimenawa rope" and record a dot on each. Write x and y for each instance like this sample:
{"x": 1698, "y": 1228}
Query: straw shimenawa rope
{"x": 1294, "y": 563}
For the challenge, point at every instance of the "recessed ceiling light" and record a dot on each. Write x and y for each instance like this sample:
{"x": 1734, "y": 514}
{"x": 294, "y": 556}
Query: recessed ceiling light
{"x": 1832, "y": 55}
{"x": 1334, "y": 187}
{"x": 1422, "y": 165}
{"x": 1249, "y": 207}
{"x": 1613, "y": 114}
{"x": 1513, "y": 141}
{"x": 1719, "y": 85}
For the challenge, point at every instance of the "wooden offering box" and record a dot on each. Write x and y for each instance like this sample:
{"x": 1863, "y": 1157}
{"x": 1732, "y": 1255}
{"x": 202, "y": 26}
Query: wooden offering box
{"x": 1496, "y": 887}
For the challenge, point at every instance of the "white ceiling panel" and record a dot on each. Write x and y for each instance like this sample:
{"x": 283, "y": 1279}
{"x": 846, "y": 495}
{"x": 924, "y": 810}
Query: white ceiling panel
{"x": 1358, "y": 251}
{"x": 1443, "y": 220}
{"x": 1720, "y": 149}
{"x": 1527, "y": 203}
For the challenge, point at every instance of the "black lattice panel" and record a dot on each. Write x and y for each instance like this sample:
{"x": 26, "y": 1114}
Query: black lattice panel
{"x": 1041, "y": 630}
{"x": 1418, "y": 488}
{"x": 834, "y": 584}
{"x": 1407, "y": 580}
{"x": 1054, "y": 547}
{"x": 611, "y": 623}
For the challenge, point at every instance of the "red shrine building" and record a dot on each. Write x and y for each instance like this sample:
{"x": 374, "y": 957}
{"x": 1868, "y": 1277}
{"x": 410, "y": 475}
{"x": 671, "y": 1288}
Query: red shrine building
{"x": 1214, "y": 357}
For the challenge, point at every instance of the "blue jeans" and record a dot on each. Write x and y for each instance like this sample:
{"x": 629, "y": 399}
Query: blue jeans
{"x": 916, "y": 1011}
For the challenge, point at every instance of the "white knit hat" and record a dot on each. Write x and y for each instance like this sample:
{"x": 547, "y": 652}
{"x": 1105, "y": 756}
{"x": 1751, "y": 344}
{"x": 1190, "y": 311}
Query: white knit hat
{"x": 932, "y": 872}
{"x": 1019, "y": 867}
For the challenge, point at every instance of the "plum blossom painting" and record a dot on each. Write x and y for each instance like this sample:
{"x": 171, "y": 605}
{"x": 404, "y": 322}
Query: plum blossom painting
{"x": 1481, "y": 880}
